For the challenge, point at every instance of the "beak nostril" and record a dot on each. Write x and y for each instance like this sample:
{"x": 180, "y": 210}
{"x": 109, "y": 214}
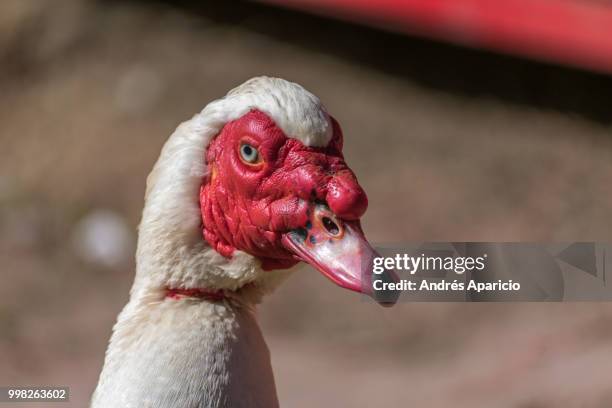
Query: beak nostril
{"x": 331, "y": 226}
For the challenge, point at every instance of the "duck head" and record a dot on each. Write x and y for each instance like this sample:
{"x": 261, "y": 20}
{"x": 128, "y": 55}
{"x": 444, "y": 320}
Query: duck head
{"x": 275, "y": 185}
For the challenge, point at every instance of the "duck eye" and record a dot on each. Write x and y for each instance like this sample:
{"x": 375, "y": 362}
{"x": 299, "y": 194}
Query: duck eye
{"x": 249, "y": 154}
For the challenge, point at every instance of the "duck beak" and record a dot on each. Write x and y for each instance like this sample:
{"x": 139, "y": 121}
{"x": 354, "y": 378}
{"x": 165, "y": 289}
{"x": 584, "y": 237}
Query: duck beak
{"x": 339, "y": 250}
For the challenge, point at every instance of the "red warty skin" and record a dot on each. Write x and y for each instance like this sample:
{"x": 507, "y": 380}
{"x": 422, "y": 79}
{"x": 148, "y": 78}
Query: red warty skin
{"x": 248, "y": 206}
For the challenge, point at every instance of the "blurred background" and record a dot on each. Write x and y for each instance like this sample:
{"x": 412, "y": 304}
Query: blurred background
{"x": 451, "y": 143}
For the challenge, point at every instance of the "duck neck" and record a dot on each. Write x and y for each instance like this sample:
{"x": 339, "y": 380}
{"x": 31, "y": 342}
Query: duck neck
{"x": 187, "y": 351}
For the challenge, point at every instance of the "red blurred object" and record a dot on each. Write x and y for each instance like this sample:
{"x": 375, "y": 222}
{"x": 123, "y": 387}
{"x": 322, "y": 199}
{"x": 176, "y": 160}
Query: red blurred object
{"x": 571, "y": 32}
